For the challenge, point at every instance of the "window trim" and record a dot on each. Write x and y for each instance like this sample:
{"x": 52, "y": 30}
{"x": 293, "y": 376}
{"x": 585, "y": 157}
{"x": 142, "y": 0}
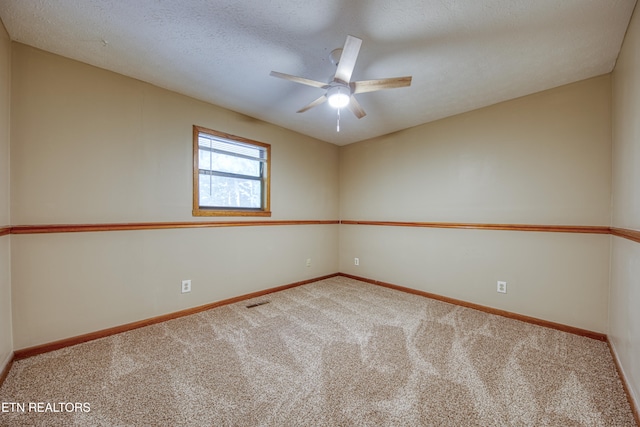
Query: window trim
{"x": 198, "y": 210}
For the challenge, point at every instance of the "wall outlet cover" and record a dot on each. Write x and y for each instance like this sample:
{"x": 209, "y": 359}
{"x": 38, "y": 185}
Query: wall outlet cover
{"x": 502, "y": 287}
{"x": 186, "y": 286}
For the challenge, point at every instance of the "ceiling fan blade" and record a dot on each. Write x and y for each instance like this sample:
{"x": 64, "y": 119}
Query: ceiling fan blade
{"x": 348, "y": 58}
{"x": 300, "y": 80}
{"x": 373, "y": 85}
{"x": 315, "y": 103}
{"x": 356, "y": 108}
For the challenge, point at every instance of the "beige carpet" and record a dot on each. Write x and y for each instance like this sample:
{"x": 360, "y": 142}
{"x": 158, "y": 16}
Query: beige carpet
{"x": 332, "y": 353}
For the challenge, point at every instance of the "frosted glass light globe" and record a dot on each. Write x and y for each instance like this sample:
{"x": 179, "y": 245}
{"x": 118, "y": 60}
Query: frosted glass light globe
{"x": 338, "y": 96}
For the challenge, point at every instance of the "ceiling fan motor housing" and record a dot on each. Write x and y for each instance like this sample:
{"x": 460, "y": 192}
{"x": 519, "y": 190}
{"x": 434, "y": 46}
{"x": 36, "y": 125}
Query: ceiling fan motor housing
{"x": 334, "y": 56}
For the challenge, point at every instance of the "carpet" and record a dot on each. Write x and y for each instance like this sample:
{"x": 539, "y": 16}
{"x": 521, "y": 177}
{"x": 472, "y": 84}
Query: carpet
{"x": 336, "y": 352}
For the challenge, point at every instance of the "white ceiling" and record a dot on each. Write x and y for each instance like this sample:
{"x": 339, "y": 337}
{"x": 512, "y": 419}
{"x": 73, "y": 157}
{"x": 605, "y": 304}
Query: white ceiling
{"x": 462, "y": 54}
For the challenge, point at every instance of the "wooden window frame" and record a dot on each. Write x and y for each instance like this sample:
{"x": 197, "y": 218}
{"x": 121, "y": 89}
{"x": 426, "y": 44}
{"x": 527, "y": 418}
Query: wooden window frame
{"x": 198, "y": 210}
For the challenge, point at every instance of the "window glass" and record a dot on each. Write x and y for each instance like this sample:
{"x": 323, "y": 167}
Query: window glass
{"x": 231, "y": 175}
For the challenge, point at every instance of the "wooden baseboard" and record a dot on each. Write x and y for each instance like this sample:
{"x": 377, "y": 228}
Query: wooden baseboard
{"x": 6, "y": 369}
{"x": 570, "y": 329}
{"x": 625, "y": 384}
{"x": 67, "y": 342}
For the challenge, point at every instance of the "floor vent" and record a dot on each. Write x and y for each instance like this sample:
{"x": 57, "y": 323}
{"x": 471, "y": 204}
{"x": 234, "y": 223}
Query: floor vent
{"x": 257, "y": 304}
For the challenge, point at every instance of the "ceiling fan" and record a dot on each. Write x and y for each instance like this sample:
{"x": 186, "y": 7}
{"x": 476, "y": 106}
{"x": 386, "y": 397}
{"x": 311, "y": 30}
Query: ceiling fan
{"x": 340, "y": 91}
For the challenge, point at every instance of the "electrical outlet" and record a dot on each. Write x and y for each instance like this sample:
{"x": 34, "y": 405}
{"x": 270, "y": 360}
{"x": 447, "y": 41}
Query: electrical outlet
{"x": 308, "y": 262}
{"x": 186, "y": 286}
{"x": 502, "y": 287}
{"x": 356, "y": 261}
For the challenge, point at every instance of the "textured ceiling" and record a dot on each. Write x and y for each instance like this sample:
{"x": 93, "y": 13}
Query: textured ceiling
{"x": 462, "y": 54}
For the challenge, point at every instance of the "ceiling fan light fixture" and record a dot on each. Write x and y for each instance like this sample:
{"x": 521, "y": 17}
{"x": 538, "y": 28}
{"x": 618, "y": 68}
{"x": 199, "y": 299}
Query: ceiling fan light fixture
{"x": 338, "y": 96}
{"x": 341, "y": 91}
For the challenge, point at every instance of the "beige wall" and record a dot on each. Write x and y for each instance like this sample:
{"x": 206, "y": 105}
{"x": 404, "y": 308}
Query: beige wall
{"x": 6, "y": 346}
{"x": 624, "y": 315}
{"x": 91, "y": 146}
{"x": 541, "y": 159}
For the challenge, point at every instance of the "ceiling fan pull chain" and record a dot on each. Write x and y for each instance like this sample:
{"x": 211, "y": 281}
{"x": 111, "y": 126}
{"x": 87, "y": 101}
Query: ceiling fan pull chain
{"x": 338, "y": 126}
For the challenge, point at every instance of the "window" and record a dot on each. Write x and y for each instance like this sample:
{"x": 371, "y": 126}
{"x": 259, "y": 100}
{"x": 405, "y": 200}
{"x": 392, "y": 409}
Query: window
{"x": 230, "y": 175}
